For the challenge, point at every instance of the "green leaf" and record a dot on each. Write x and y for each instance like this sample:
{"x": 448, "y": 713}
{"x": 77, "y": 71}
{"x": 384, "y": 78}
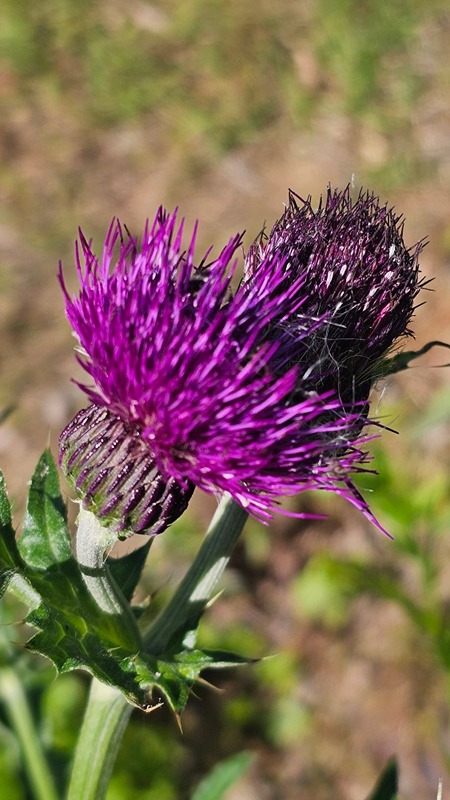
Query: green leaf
{"x": 10, "y": 560}
{"x": 5, "y": 508}
{"x": 401, "y": 361}
{"x": 73, "y": 630}
{"x": 222, "y": 777}
{"x": 45, "y": 540}
{"x": 175, "y": 675}
{"x": 387, "y": 785}
{"x": 127, "y": 570}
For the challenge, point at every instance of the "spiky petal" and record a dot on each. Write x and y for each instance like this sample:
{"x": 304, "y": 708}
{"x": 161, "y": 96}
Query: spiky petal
{"x": 357, "y": 274}
{"x": 188, "y": 369}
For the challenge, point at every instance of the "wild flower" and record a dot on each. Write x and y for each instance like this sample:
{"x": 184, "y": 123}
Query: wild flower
{"x": 191, "y": 383}
{"x": 358, "y": 277}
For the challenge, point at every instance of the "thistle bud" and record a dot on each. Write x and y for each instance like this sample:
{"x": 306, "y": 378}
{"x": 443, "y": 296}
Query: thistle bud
{"x": 112, "y": 472}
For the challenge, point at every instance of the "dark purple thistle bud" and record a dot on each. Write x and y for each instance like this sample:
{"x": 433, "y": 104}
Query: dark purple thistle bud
{"x": 358, "y": 277}
{"x": 187, "y": 387}
{"x": 112, "y": 470}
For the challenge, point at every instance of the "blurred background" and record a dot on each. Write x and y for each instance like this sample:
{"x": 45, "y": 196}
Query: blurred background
{"x": 219, "y": 106}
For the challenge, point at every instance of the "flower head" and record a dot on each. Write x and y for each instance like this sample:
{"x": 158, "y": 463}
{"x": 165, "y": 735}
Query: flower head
{"x": 358, "y": 276}
{"x": 186, "y": 377}
{"x": 114, "y": 472}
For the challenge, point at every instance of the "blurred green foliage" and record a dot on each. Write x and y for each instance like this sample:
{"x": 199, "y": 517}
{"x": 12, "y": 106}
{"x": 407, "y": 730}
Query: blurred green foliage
{"x": 365, "y": 48}
{"x": 214, "y": 64}
{"x": 217, "y": 70}
{"x": 224, "y": 775}
{"x": 414, "y": 503}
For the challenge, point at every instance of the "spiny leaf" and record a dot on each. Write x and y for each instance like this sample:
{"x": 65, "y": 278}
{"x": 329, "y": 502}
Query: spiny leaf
{"x": 10, "y": 560}
{"x": 175, "y": 676}
{"x": 45, "y": 539}
{"x": 72, "y": 630}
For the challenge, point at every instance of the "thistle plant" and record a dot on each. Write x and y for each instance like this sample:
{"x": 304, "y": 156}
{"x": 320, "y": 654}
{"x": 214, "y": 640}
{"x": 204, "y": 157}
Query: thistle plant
{"x": 359, "y": 278}
{"x": 251, "y": 393}
{"x": 188, "y": 384}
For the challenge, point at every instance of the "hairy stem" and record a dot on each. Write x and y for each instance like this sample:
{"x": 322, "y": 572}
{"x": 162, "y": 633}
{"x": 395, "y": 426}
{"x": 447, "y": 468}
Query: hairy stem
{"x": 108, "y": 711}
{"x": 105, "y": 720}
{"x": 197, "y": 586}
{"x": 92, "y": 541}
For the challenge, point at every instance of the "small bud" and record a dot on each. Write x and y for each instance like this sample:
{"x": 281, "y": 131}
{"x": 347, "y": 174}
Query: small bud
{"x": 358, "y": 277}
{"x": 115, "y": 477}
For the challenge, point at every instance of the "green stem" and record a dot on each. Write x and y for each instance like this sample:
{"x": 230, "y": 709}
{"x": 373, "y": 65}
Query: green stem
{"x": 198, "y": 584}
{"x": 108, "y": 711}
{"x": 105, "y": 720}
{"x": 92, "y": 541}
{"x": 15, "y": 700}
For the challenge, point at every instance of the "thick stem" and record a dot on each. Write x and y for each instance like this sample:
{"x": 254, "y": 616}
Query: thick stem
{"x": 14, "y": 697}
{"x": 105, "y": 720}
{"x": 198, "y": 584}
{"x": 92, "y": 541}
{"x": 108, "y": 711}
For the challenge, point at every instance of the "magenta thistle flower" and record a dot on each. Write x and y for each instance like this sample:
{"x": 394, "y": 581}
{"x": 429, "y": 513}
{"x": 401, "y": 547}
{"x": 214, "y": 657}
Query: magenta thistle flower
{"x": 358, "y": 276}
{"x": 187, "y": 389}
